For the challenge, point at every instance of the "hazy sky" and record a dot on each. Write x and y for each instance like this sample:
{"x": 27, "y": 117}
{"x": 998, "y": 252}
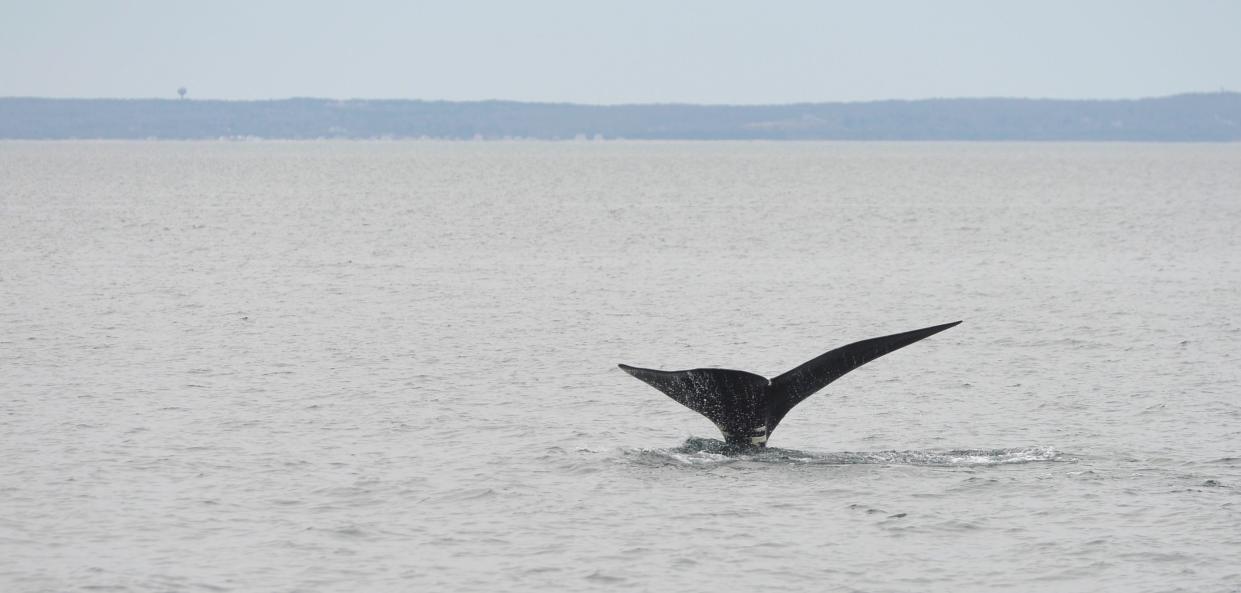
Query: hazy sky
{"x": 631, "y": 51}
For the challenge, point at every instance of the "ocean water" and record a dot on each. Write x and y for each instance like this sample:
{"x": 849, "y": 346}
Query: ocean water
{"x": 351, "y": 366}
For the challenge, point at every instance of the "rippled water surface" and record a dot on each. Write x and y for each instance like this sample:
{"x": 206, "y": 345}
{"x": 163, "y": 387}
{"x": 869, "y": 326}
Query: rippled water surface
{"x": 391, "y": 366}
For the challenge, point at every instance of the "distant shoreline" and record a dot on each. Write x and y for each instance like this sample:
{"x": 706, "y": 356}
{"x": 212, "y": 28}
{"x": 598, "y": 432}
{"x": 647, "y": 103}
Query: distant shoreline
{"x": 1198, "y": 117}
{"x": 604, "y": 142}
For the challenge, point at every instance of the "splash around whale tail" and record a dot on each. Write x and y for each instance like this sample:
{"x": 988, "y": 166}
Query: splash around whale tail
{"x": 747, "y": 407}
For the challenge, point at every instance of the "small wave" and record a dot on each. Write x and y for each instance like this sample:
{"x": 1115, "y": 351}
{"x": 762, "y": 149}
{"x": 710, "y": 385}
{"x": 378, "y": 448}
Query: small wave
{"x": 697, "y": 451}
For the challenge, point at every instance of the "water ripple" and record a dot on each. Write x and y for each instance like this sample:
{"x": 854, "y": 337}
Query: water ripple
{"x": 698, "y": 451}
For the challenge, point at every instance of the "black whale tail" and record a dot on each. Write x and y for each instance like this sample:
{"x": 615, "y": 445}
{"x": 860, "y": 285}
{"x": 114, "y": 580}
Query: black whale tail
{"x": 747, "y": 407}
{"x": 792, "y": 387}
{"x": 733, "y": 400}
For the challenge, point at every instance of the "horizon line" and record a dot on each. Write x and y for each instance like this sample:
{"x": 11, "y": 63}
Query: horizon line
{"x": 1220, "y": 91}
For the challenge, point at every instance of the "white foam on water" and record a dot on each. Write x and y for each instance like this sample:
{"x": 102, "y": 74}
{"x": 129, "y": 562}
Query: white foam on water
{"x": 705, "y": 452}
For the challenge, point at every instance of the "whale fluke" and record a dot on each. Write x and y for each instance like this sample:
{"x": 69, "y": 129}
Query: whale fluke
{"x": 747, "y": 407}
